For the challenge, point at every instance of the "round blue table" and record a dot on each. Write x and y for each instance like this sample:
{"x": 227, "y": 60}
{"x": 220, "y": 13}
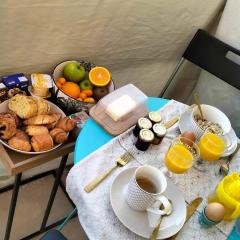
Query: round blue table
{"x": 93, "y": 136}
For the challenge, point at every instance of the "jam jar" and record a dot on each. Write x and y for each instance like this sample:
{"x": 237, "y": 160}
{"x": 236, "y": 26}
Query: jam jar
{"x": 144, "y": 140}
{"x": 154, "y": 117}
{"x": 142, "y": 123}
{"x": 159, "y": 131}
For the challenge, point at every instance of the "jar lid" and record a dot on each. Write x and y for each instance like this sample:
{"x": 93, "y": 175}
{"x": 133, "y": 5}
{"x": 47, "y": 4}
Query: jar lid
{"x": 159, "y": 129}
{"x": 146, "y": 135}
{"x": 155, "y": 117}
{"x": 144, "y": 123}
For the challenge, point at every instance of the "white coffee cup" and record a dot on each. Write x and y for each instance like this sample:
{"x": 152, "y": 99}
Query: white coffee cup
{"x": 140, "y": 199}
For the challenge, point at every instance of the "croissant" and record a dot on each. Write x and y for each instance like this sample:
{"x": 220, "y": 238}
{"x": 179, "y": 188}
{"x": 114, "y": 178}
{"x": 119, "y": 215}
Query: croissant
{"x": 66, "y": 124}
{"x": 58, "y": 135}
{"x": 40, "y": 120}
{"x": 56, "y": 117}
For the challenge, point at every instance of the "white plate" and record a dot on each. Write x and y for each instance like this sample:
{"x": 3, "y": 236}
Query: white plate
{"x": 229, "y": 138}
{"x": 54, "y": 108}
{"x": 137, "y": 221}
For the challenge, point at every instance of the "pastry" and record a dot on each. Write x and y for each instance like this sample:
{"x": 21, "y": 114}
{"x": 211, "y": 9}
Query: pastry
{"x": 43, "y": 107}
{"x": 66, "y": 124}
{"x": 33, "y": 130}
{"x": 57, "y": 117}
{"x": 14, "y": 115}
{"x": 24, "y": 106}
{"x": 42, "y": 142}
{"x": 40, "y": 120}
{"x": 8, "y": 126}
{"x": 58, "y": 135}
{"x": 21, "y": 134}
{"x": 20, "y": 141}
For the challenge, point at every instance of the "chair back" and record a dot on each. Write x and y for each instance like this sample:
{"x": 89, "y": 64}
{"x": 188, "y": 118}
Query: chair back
{"x": 211, "y": 68}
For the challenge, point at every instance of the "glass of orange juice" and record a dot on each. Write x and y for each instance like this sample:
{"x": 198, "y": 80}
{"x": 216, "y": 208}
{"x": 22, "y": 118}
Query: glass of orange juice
{"x": 181, "y": 155}
{"x": 212, "y": 147}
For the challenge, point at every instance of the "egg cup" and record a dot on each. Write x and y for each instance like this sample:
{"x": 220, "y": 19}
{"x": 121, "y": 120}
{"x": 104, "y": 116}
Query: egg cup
{"x": 204, "y": 221}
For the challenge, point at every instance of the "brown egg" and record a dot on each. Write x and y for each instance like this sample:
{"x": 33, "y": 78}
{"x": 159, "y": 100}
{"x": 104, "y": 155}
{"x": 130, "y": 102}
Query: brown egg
{"x": 215, "y": 211}
{"x": 188, "y": 136}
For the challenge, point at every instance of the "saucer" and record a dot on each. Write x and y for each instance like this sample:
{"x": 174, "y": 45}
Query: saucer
{"x": 137, "y": 221}
{"x": 230, "y": 137}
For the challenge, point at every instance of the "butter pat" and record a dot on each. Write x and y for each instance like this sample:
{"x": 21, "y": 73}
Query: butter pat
{"x": 120, "y": 107}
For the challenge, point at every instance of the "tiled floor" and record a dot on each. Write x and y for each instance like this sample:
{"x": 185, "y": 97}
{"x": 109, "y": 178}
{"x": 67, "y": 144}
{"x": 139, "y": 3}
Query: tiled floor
{"x": 32, "y": 201}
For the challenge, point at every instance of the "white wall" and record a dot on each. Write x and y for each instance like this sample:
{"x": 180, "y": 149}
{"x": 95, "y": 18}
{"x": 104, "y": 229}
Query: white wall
{"x": 140, "y": 41}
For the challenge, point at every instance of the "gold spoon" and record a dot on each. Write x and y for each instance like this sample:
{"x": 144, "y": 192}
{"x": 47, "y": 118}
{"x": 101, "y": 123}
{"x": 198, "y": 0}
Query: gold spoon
{"x": 156, "y": 229}
{"x": 197, "y": 101}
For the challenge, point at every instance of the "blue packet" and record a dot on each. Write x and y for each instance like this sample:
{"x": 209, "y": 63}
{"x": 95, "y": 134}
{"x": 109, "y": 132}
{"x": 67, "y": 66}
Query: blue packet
{"x": 16, "y": 80}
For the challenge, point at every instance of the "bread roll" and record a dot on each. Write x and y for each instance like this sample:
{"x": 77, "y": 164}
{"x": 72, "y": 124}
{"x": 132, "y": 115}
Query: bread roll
{"x": 36, "y": 130}
{"x": 24, "y": 106}
{"x": 42, "y": 142}
{"x": 40, "y": 120}
{"x": 58, "y": 135}
{"x": 43, "y": 107}
{"x": 66, "y": 124}
{"x": 20, "y": 141}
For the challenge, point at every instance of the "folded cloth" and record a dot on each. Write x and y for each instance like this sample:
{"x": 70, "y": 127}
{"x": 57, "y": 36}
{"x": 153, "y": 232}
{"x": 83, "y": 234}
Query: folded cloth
{"x": 94, "y": 209}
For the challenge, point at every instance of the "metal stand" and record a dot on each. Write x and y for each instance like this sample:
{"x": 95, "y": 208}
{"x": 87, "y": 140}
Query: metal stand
{"x": 12, "y": 205}
{"x": 57, "y": 182}
{"x": 54, "y": 191}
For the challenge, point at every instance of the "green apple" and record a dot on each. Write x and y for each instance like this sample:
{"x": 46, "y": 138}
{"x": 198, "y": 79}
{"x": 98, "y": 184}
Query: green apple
{"x": 74, "y": 72}
{"x": 86, "y": 84}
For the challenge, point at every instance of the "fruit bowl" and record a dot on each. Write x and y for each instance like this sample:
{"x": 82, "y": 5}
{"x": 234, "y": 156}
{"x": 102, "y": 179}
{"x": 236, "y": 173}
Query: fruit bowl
{"x": 66, "y": 96}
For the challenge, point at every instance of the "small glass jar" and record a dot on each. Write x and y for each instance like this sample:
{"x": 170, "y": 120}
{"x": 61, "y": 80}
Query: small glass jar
{"x": 154, "y": 117}
{"x": 142, "y": 123}
{"x": 144, "y": 140}
{"x": 159, "y": 131}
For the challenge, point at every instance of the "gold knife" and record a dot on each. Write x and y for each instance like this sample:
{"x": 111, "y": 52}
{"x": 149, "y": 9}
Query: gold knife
{"x": 191, "y": 208}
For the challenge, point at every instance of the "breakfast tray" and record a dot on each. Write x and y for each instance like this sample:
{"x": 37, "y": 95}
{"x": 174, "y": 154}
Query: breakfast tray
{"x": 114, "y": 128}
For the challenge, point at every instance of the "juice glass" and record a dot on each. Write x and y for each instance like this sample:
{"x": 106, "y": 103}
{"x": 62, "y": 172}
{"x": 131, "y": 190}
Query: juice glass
{"x": 211, "y": 147}
{"x": 180, "y": 156}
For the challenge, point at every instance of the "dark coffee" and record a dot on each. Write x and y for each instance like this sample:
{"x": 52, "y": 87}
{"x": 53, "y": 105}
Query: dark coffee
{"x": 146, "y": 184}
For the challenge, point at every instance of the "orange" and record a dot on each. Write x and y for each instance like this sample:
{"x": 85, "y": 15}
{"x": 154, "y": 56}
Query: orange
{"x": 89, "y": 100}
{"x": 99, "y": 76}
{"x": 82, "y": 95}
{"x": 61, "y": 80}
{"x": 71, "y": 89}
{"x": 59, "y": 85}
{"x": 88, "y": 92}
